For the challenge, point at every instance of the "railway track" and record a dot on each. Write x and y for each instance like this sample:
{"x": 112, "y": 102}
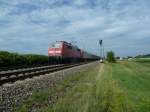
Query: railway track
{"x": 22, "y": 74}
{"x": 20, "y": 67}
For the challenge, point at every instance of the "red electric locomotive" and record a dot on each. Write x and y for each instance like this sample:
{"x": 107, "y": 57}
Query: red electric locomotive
{"x": 64, "y": 52}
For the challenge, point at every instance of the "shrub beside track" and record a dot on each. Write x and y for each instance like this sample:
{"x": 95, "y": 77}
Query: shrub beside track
{"x": 12, "y": 60}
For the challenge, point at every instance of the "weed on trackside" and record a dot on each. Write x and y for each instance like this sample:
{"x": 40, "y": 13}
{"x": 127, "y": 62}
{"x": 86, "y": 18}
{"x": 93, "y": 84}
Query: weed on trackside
{"x": 97, "y": 92}
{"x": 110, "y": 87}
{"x": 47, "y": 97}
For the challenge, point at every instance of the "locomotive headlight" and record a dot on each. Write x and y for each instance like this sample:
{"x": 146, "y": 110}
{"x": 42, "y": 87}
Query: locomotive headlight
{"x": 55, "y": 52}
{"x": 51, "y": 52}
{"x": 58, "y": 52}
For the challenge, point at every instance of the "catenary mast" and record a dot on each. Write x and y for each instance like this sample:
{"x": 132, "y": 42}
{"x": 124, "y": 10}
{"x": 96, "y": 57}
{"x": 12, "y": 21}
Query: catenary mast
{"x": 101, "y": 49}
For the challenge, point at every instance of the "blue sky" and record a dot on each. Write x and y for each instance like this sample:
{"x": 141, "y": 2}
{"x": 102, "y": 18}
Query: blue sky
{"x": 29, "y": 26}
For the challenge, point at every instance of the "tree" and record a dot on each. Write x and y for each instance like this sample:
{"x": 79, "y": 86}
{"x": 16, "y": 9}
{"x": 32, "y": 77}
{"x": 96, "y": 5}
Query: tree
{"x": 111, "y": 57}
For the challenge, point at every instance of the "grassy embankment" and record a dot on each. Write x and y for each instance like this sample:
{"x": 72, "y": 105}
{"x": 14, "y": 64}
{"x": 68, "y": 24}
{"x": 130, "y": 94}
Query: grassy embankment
{"x": 117, "y": 87}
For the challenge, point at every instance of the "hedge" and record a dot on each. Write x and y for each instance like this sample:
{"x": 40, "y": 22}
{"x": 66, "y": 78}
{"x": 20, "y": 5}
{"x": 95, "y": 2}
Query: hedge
{"x": 8, "y": 59}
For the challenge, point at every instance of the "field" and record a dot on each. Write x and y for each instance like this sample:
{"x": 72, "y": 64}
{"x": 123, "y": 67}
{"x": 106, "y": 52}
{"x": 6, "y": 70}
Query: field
{"x": 143, "y": 60}
{"x": 116, "y": 87}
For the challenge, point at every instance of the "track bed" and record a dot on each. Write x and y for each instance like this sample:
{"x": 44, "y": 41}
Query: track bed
{"x": 21, "y": 74}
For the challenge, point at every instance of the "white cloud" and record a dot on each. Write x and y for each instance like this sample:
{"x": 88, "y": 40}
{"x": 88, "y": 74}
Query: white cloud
{"x": 119, "y": 23}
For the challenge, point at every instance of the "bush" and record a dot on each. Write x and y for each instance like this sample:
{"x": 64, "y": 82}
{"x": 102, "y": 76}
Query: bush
{"x": 111, "y": 57}
{"x": 14, "y": 59}
{"x": 5, "y": 58}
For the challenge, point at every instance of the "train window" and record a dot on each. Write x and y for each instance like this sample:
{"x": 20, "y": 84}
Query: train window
{"x": 78, "y": 50}
{"x": 69, "y": 47}
{"x": 56, "y": 45}
{"x": 51, "y": 45}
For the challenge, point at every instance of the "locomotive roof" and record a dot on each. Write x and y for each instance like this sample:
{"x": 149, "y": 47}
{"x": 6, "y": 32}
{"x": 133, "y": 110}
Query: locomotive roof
{"x": 68, "y": 43}
{"x": 64, "y": 42}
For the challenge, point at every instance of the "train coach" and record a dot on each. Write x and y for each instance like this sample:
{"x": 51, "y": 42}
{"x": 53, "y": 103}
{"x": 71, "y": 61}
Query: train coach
{"x": 89, "y": 57}
{"x": 64, "y": 52}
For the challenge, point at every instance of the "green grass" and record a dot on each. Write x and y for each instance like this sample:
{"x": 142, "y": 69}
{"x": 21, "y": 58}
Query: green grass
{"x": 97, "y": 92}
{"x": 41, "y": 99}
{"x": 143, "y": 60}
{"x": 110, "y": 87}
{"x": 120, "y": 87}
{"x": 134, "y": 79}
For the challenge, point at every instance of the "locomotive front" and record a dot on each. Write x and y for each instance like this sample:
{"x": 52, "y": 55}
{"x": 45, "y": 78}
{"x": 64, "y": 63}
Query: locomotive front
{"x": 55, "y": 50}
{"x": 55, "y": 53}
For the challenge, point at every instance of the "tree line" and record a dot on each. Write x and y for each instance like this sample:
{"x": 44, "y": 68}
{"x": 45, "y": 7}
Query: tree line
{"x": 8, "y": 59}
{"x": 143, "y": 56}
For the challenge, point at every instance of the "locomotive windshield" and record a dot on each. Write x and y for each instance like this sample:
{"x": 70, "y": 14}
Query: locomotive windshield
{"x": 56, "y": 45}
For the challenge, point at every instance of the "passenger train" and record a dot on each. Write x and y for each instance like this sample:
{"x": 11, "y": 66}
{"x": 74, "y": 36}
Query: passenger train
{"x": 64, "y": 52}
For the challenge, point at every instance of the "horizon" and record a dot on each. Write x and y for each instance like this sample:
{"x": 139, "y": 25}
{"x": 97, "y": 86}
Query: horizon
{"x": 30, "y": 26}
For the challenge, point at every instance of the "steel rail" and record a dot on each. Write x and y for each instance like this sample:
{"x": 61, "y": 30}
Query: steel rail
{"x": 10, "y": 77}
{"x": 23, "y": 71}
